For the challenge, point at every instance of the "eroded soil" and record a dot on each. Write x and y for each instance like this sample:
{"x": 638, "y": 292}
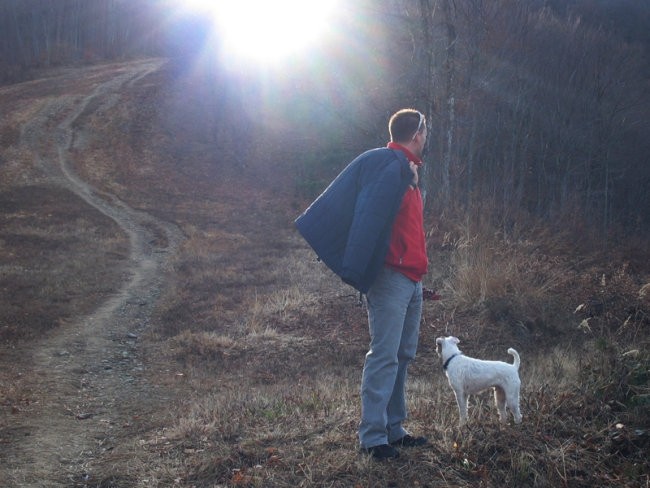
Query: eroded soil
{"x": 80, "y": 385}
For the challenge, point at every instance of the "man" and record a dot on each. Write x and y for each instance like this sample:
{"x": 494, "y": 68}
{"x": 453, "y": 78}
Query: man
{"x": 367, "y": 227}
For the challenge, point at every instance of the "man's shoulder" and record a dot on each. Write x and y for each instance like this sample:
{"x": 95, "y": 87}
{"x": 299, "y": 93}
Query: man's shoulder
{"x": 378, "y": 152}
{"x": 380, "y": 157}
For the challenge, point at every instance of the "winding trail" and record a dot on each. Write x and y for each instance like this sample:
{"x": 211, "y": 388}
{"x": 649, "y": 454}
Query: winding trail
{"x": 92, "y": 363}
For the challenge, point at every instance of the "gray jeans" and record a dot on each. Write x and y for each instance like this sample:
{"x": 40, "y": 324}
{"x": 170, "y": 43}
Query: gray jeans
{"x": 394, "y": 312}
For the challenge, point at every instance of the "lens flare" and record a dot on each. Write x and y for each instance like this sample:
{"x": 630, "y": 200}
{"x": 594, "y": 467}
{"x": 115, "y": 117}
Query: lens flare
{"x": 268, "y": 31}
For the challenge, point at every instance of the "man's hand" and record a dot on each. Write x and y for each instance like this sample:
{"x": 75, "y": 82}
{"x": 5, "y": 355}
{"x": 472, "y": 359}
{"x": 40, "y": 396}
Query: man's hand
{"x": 429, "y": 294}
{"x": 414, "y": 170}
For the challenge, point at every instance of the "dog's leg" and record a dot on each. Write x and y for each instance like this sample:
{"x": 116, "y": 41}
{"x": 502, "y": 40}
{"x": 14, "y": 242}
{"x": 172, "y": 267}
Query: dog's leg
{"x": 500, "y": 401}
{"x": 461, "y": 399}
{"x": 513, "y": 404}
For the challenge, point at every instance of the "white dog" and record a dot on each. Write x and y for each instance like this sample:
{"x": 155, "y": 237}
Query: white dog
{"x": 468, "y": 376}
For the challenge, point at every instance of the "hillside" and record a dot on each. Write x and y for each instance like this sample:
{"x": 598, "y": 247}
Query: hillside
{"x": 163, "y": 325}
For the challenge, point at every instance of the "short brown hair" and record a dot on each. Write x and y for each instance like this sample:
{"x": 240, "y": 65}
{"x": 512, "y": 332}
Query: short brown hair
{"x": 404, "y": 124}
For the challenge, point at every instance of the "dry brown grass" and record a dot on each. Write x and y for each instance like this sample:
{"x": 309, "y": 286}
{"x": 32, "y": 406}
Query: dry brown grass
{"x": 292, "y": 429}
{"x": 260, "y": 348}
{"x": 280, "y": 389}
{"x": 58, "y": 258}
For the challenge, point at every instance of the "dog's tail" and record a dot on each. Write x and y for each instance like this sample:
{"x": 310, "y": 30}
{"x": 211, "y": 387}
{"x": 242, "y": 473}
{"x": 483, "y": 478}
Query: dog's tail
{"x": 515, "y": 354}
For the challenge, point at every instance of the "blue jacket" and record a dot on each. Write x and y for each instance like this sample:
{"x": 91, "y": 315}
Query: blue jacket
{"x": 349, "y": 224}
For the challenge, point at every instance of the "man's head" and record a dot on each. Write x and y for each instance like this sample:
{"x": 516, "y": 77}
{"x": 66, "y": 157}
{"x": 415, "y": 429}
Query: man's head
{"x": 408, "y": 127}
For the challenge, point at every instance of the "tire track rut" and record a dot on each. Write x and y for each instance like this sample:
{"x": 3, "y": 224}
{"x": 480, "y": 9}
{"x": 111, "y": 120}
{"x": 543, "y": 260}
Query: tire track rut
{"x": 91, "y": 364}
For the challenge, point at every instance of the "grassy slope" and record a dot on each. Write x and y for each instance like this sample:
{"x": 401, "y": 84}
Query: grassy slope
{"x": 264, "y": 348}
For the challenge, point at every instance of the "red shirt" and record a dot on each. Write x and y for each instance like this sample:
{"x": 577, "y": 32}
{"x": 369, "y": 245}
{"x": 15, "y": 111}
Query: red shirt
{"x": 407, "y": 252}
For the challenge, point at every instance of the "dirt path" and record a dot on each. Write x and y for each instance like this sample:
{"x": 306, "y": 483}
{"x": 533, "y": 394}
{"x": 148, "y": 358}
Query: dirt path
{"x": 92, "y": 365}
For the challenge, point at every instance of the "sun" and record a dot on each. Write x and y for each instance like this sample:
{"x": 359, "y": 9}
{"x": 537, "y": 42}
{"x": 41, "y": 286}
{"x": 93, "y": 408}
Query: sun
{"x": 268, "y": 31}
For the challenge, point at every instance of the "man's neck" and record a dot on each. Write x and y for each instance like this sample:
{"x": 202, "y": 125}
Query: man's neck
{"x": 408, "y": 149}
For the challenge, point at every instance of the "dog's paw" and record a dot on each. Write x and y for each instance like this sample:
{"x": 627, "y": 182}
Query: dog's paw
{"x": 429, "y": 294}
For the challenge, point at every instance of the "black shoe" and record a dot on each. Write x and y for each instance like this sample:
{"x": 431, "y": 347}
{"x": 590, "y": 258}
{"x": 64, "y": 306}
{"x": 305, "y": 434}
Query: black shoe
{"x": 383, "y": 451}
{"x": 410, "y": 441}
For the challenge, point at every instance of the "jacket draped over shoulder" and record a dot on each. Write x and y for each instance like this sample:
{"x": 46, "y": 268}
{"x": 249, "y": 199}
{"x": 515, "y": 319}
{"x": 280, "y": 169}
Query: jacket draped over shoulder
{"x": 349, "y": 224}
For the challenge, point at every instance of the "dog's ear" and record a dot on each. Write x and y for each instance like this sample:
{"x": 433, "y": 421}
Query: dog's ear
{"x": 455, "y": 340}
{"x": 439, "y": 342}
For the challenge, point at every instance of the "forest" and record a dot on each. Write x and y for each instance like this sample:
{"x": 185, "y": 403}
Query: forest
{"x": 162, "y": 322}
{"x": 538, "y": 110}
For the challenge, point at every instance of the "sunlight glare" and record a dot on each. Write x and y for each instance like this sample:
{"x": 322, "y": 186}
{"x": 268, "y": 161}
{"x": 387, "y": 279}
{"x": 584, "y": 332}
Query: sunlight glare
{"x": 268, "y": 31}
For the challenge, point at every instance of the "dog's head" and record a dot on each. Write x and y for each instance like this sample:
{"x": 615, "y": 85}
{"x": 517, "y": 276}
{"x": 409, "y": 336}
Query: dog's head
{"x": 446, "y": 344}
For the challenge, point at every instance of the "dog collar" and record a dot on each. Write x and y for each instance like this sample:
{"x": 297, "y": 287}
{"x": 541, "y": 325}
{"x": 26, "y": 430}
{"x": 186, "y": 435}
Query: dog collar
{"x": 444, "y": 366}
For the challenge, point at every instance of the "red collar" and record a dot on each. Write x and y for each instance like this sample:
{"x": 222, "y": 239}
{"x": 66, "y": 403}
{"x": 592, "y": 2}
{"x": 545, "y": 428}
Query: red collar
{"x": 409, "y": 154}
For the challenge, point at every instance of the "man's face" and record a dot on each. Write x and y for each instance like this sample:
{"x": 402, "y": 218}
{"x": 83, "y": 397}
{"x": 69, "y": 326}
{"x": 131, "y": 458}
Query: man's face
{"x": 421, "y": 141}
